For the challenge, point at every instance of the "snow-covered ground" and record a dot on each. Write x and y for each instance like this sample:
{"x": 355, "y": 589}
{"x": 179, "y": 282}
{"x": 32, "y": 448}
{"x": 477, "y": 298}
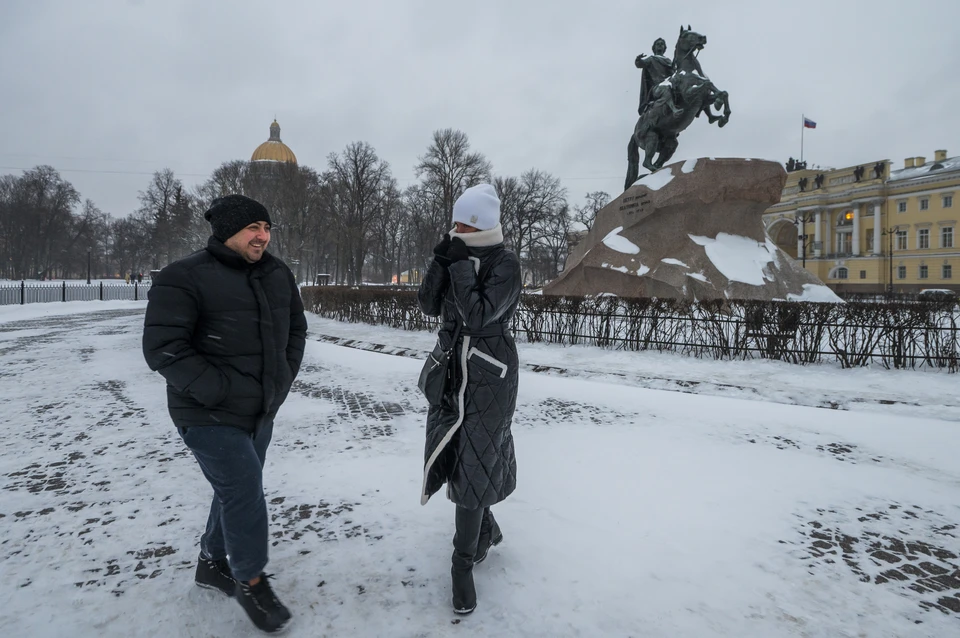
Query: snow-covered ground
{"x": 729, "y": 508}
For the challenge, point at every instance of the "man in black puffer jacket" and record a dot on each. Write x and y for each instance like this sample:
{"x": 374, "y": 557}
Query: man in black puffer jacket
{"x": 226, "y": 329}
{"x": 474, "y": 285}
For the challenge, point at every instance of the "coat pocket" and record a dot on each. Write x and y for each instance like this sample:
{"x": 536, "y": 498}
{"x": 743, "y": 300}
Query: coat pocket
{"x": 486, "y": 361}
{"x": 434, "y": 375}
{"x": 211, "y": 388}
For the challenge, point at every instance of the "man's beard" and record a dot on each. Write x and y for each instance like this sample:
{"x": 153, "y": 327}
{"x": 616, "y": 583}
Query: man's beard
{"x": 255, "y": 252}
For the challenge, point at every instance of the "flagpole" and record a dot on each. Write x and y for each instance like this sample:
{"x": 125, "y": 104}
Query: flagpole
{"x": 802, "y": 120}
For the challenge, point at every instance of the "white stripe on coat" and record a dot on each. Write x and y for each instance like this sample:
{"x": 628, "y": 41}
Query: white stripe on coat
{"x": 424, "y": 497}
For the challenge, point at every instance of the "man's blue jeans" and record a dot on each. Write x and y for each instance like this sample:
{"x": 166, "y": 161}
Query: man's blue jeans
{"x": 232, "y": 460}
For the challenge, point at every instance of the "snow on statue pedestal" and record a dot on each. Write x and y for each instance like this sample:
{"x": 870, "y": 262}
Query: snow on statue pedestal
{"x": 691, "y": 230}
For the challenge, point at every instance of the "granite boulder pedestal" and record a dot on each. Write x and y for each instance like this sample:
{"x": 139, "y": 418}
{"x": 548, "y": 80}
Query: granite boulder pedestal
{"x": 692, "y": 230}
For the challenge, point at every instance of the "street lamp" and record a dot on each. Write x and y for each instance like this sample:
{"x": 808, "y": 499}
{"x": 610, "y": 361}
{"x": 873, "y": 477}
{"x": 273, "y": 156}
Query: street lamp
{"x": 889, "y": 233}
{"x": 800, "y": 220}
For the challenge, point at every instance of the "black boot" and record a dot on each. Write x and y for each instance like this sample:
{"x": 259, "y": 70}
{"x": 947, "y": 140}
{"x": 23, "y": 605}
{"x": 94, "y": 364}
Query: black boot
{"x": 261, "y": 604}
{"x": 464, "y": 549}
{"x": 490, "y": 535}
{"x": 215, "y": 574}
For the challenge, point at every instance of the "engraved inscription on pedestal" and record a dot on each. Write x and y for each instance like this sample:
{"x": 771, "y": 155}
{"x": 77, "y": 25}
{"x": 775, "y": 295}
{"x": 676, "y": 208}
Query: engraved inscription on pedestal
{"x": 633, "y": 204}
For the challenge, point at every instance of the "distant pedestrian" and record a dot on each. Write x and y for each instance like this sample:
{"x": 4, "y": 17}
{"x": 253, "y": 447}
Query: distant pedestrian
{"x": 126, "y": 278}
{"x": 226, "y": 329}
{"x": 139, "y": 277}
{"x": 473, "y": 285}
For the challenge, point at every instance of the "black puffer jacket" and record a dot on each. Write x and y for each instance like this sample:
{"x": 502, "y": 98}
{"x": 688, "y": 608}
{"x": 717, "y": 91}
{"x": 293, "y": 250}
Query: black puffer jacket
{"x": 469, "y": 442}
{"x": 228, "y": 337}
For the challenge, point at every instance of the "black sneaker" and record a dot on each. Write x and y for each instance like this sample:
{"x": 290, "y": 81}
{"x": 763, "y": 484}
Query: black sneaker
{"x": 215, "y": 574}
{"x": 261, "y": 604}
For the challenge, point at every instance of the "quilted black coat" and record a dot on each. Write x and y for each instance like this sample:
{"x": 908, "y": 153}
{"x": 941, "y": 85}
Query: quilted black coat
{"x": 228, "y": 336}
{"x": 469, "y": 443}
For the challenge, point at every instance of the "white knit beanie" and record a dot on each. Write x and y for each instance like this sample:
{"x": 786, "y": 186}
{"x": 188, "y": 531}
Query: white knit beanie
{"x": 479, "y": 207}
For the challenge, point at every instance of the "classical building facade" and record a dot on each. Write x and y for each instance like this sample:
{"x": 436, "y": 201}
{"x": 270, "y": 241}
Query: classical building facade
{"x": 873, "y": 228}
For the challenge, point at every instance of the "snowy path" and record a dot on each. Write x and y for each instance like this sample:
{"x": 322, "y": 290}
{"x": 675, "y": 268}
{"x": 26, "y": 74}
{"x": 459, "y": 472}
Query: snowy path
{"x": 639, "y": 512}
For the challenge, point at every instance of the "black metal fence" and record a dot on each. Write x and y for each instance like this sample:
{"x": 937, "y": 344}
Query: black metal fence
{"x": 24, "y": 293}
{"x": 894, "y": 335}
{"x": 882, "y": 297}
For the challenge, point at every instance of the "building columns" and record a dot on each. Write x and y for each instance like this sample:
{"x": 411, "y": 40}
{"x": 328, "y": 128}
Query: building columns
{"x": 818, "y": 235}
{"x": 876, "y": 229}
{"x": 831, "y": 233}
{"x": 855, "y": 244}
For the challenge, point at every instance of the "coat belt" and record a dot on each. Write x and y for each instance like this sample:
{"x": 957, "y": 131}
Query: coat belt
{"x": 493, "y": 330}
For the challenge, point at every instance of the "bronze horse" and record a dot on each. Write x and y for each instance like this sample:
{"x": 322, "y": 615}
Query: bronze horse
{"x": 658, "y": 127}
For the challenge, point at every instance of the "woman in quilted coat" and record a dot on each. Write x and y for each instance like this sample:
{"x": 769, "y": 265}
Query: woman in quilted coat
{"x": 473, "y": 285}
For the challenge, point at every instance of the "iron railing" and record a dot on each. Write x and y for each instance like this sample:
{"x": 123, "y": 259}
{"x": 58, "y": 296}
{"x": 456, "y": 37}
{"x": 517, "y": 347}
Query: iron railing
{"x": 893, "y": 335}
{"x": 24, "y": 293}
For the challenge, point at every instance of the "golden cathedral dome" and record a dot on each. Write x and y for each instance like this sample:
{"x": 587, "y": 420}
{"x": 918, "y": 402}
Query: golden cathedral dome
{"x": 273, "y": 150}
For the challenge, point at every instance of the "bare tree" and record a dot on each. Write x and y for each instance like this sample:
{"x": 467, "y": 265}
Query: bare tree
{"x": 527, "y": 204}
{"x": 586, "y": 213}
{"x": 350, "y": 218}
{"x": 87, "y": 243}
{"x": 129, "y": 246}
{"x": 38, "y": 222}
{"x": 156, "y": 213}
{"x": 425, "y": 232}
{"x": 446, "y": 170}
{"x": 299, "y": 215}
{"x": 43, "y": 232}
{"x": 552, "y": 247}
{"x": 361, "y": 184}
{"x": 391, "y": 236}
{"x": 227, "y": 179}
{"x": 11, "y": 222}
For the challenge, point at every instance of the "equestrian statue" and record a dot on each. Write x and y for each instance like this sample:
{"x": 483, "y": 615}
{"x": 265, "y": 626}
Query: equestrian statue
{"x": 672, "y": 94}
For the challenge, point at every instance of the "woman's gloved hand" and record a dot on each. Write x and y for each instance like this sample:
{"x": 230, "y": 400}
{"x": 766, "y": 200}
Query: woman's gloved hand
{"x": 457, "y": 251}
{"x": 440, "y": 250}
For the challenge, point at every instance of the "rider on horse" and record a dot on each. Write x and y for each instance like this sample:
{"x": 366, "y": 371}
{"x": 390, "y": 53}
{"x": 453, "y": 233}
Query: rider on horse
{"x": 656, "y": 69}
{"x": 669, "y": 106}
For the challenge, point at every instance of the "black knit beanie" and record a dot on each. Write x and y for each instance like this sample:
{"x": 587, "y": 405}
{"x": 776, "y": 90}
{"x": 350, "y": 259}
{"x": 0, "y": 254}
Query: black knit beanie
{"x": 231, "y": 214}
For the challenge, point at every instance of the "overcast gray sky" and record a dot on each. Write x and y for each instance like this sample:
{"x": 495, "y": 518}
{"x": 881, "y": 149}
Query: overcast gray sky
{"x": 135, "y": 86}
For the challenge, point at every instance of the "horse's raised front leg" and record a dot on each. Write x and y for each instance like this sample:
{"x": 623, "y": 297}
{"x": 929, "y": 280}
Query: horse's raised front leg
{"x": 724, "y": 98}
{"x": 711, "y": 118}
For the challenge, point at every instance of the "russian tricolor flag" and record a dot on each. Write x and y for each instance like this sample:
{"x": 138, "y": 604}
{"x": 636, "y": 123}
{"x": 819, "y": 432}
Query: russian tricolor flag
{"x": 808, "y": 123}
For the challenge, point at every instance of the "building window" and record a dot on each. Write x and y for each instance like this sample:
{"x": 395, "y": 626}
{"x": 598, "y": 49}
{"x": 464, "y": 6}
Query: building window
{"x": 841, "y": 273}
{"x": 946, "y": 237}
{"x": 924, "y": 203}
{"x": 923, "y": 238}
{"x": 902, "y": 207}
{"x": 924, "y": 271}
{"x": 901, "y": 240}
{"x": 844, "y": 243}
{"x": 948, "y": 201}
{"x": 863, "y": 274}
{"x": 901, "y": 272}
{"x": 947, "y": 272}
